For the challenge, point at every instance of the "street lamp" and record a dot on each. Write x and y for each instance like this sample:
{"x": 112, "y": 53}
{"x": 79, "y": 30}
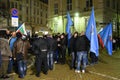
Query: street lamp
{"x": 117, "y": 19}
{"x": 8, "y": 7}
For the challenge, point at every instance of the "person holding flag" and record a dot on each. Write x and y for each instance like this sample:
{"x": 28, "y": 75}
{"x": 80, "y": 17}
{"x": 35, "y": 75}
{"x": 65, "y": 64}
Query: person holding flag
{"x": 105, "y": 38}
{"x": 20, "y": 51}
{"x": 91, "y": 34}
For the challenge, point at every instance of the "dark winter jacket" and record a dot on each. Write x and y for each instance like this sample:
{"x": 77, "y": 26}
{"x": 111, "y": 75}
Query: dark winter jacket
{"x": 73, "y": 44}
{"x": 40, "y": 45}
{"x": 52, "y": 44}
{"x": 63, "y": 43}
{"x": 82, "y": 43}
{"x": 21, "y": 46}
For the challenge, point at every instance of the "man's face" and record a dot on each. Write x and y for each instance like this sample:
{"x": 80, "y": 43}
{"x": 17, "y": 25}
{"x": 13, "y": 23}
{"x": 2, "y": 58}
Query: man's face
{"x": 14, "y": 34}
{"x": 75, "y": 35}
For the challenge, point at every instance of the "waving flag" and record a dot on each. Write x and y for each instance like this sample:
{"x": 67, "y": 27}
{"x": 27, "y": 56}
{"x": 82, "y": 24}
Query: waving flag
{"x": 91, "y": 34}
{"x": 105, "y": 38}
{"x": 22, "y": 29}
{"x": 68, "y": 26}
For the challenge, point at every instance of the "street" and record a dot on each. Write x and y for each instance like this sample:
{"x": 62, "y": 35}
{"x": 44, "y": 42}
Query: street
{"x": 108, "y": 68}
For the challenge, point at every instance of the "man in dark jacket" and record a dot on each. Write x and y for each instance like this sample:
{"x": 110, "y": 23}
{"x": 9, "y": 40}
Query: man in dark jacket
{"x": 20, "y": 51}
{"x": 40, "y": 48}
{"x": 63, "y": 48}
{"x": 53, "y": 45}
{"x": 81, "y": 48}
{"x": 73, "y": 49}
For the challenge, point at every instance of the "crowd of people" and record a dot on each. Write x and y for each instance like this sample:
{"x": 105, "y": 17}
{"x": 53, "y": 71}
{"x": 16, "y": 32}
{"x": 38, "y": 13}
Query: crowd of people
{"x": 47, "y": 49}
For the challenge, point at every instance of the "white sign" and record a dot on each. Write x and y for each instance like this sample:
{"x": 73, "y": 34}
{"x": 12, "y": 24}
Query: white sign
{"x": 15, "y": 21}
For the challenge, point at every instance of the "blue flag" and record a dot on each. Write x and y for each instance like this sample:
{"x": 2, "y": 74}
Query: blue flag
{"x": 68, "y": 26}
{"x": 91, "y": 34}
{"x": 105, "y": 36}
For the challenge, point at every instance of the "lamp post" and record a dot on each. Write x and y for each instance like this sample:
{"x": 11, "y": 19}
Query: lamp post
{"x": 8, "y": 9}
{"x": 31, "y": 17}
{"x": 117, "y": 19}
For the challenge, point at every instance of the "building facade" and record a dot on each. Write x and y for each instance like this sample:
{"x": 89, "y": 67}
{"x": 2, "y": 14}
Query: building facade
{"x": 33, "y": 13}
{"x": 105, "y": 11}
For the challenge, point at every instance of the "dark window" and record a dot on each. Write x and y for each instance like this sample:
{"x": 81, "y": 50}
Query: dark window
{"x": 38, "y": 20}
{"x": 12, "y": 4}
{"x": 46, "y": 15}
{"x": 34, "y": 3}
{"x": 37, "y": 4}
{"x": 89, "y": 3}
{"x": 27, "y": 10}
{"x": 56, "y": 5}
{"x": 69, "y": 5}
{"x": 27, "y": 1}
{"x": 41, "y": 14}
{"x": 55, "y": 11}
{"x": 41, "y": 21}
{"x": 34, "y": 11}
{"x": 15, "y": 4}
{"x": 27, "y": 19}
{"x": 20, "y": 17}
{"x": 69, "y": 1}
{"x": 20, "y": 7}
{"x": 108, "y": 3}
{"x": 37, "y": 11}
{"x": 41, "y": 6}
{"x": 34, "y": 20}
{"x": 56, "y": 8}
{"x": 44, "y": 1}
{"x": 113, "y": 4}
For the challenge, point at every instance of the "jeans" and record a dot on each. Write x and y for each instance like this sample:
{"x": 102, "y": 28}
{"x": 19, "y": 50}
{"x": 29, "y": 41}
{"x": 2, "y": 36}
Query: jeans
{"x": 63, "y": 55}
{"x": 22, "y": 68}
{"x": 81, "y": 55}
{"x": 73, "y": 59}
{"x": 50, "y": 59}
{"x": 56, "y": 55}
{"x": 10, "y": 65}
